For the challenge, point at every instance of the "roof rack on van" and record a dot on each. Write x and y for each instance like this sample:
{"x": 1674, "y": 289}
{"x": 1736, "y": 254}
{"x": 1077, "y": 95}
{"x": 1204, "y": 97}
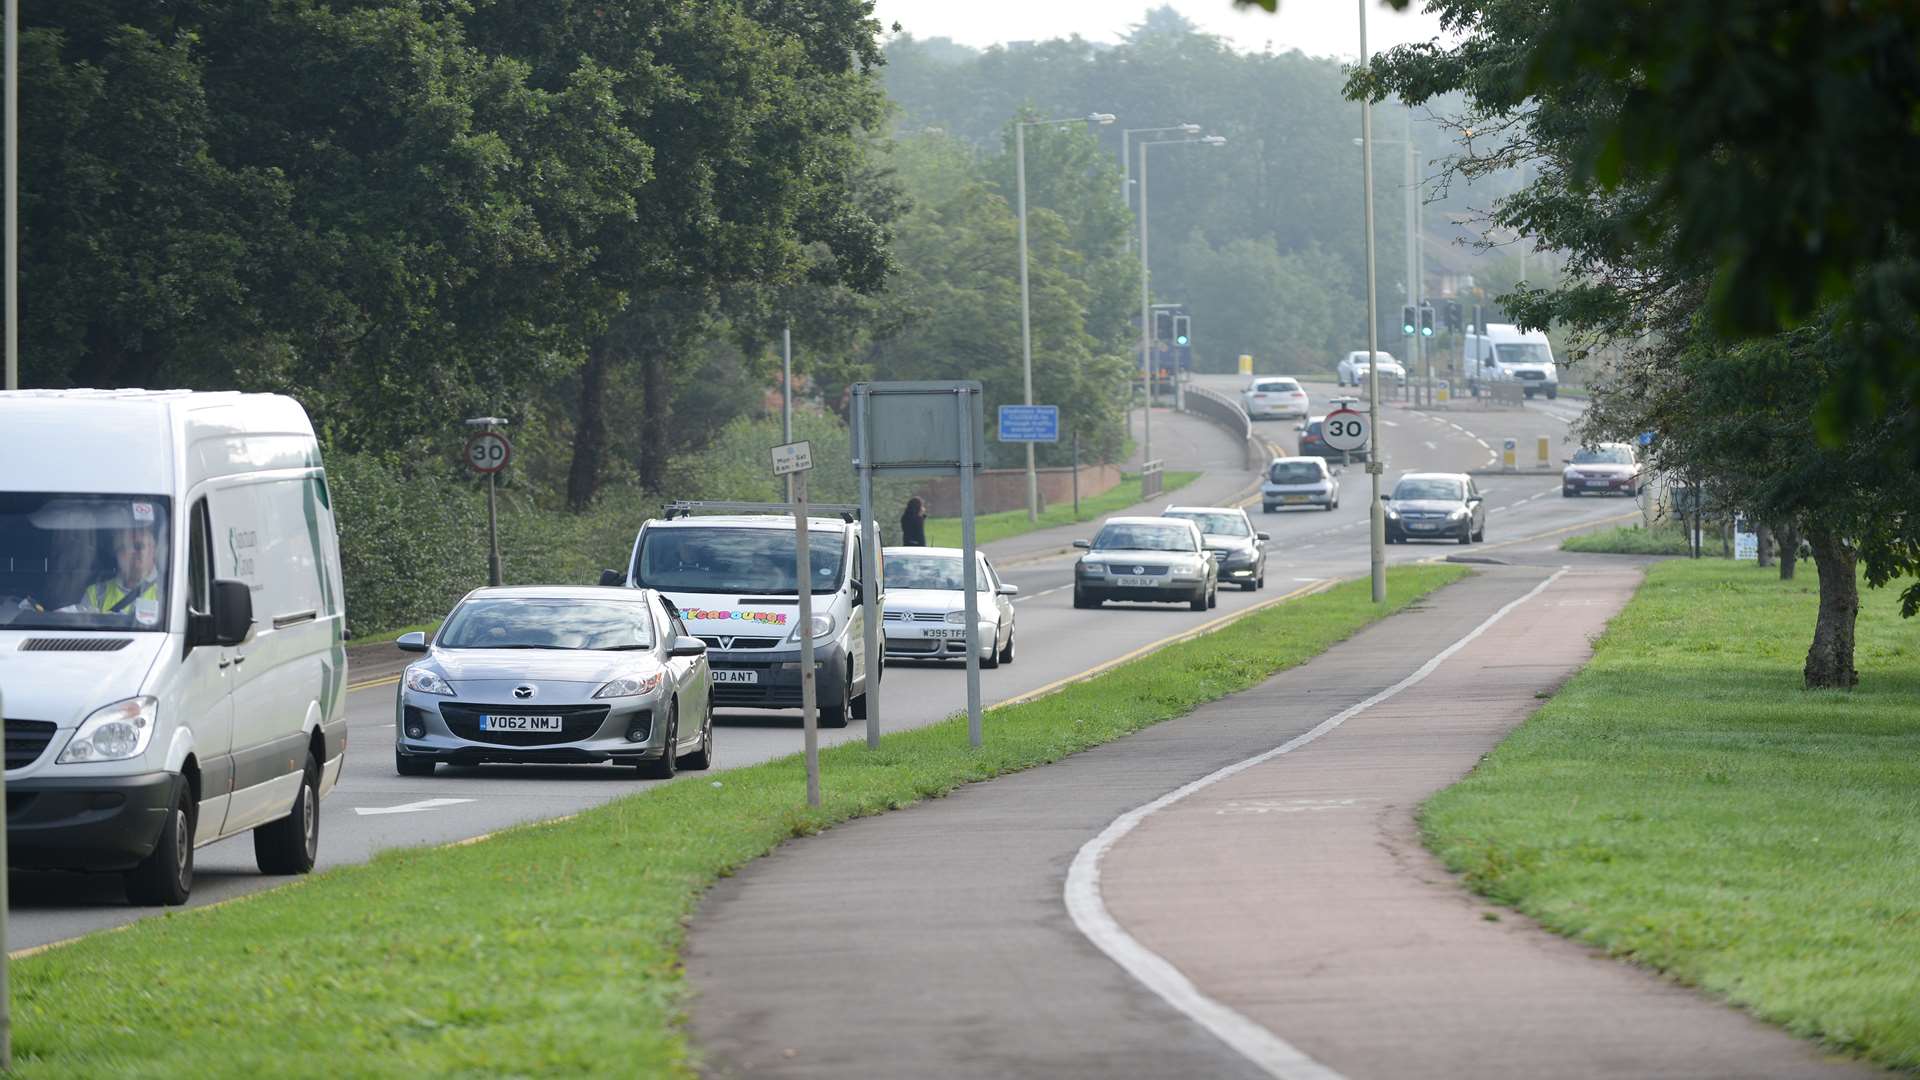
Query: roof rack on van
{"x": 686, "y": 508}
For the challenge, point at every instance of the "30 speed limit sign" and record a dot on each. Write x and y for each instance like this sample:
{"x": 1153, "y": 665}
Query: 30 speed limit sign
{"x": 488, "y": 452}
{"x": 1346, "y": 429}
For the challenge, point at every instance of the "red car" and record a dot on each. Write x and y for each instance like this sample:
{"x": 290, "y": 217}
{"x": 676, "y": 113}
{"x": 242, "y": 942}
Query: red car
{"x": 1606, "y": 469}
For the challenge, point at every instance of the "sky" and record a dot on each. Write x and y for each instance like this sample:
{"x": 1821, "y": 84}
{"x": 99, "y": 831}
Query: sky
{"x": 1315, "y": 27}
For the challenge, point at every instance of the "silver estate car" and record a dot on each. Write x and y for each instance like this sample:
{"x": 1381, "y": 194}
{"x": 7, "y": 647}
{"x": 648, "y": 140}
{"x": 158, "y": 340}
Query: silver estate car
{"x": 556, "y": 674}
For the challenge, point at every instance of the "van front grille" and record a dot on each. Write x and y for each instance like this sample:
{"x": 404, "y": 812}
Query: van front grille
{"x": 27, "y": 740}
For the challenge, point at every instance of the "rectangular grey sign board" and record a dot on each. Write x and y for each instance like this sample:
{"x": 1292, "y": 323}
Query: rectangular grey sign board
{"x": 913, "y": 428}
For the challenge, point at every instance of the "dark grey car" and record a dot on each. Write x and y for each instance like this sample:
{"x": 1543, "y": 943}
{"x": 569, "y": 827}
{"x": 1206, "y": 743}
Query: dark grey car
{"x": 1435, "y": 506}
{"x": 1239, "y": 550}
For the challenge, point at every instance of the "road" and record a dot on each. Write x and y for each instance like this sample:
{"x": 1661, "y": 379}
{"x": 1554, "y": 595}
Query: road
{"x": 374, "y": 809}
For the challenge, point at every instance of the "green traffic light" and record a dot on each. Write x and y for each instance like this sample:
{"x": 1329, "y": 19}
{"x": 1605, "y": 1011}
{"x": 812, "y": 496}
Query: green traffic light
{"x": 1181, "y": 340}
{"x": 1426, "y": 331}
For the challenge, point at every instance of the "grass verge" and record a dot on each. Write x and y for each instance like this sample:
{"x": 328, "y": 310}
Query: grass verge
{"x": 1664, "y": 538}
{"x": 554, "y": 948}
{"x": 1684, "y": 804}
{"x": 945, "y": 532}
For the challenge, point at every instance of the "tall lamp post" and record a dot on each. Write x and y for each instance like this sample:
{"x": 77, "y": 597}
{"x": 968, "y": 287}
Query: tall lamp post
{"x": 1376, "y": 519}
{"x": 1026, "y": 315}
{"x": 1146, "y": 301}
{"x": 1414, "y": 253}
{"x": 1126, "y": 156}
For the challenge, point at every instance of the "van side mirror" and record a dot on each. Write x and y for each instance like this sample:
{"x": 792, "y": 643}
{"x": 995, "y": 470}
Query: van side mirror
{"x": 1083, "y": 545}
{"x": 414, "y": 642}
{"x": 687, "y": 646}
{"x": 231, "y": 620}
{"x": 612, "y": 578}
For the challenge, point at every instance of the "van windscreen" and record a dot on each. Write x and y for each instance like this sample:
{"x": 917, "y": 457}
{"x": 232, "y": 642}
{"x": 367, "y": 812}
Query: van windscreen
{"x": 84, "y": 562}
{"x": 745, "y": 561}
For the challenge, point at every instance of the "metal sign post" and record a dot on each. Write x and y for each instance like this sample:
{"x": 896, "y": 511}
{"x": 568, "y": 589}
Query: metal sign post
{"x": 870, "y": 587}
{"x": 488, "y": 452}
{"x": 792, "y": 460}
{"x": 927, "y": 429}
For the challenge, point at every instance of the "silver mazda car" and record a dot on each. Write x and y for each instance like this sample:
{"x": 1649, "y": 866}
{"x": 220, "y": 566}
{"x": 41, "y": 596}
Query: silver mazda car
{"x": 557, "y": 674}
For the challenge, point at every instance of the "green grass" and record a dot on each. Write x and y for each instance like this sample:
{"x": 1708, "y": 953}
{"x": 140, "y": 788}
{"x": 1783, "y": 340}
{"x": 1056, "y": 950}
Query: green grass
{"x": 554, "y": 948}
{"x": 1665, "y": 538}
{"x": 1684, "y": 804}
{"x": 945, "y": 532}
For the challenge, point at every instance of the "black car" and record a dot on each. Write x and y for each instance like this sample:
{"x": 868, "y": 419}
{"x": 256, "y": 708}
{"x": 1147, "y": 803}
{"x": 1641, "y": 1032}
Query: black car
{"x": 1435, "y": 506}
{"x": 1238, "y": 549}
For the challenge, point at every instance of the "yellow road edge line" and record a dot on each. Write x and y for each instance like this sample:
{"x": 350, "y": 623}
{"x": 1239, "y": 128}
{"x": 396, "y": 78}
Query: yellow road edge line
{"x": 384, "y": 680}
{"x": 1187, "y": 635}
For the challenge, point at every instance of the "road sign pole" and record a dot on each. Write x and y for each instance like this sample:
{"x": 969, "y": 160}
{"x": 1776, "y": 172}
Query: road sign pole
{"x": 969, "y": 578}
{"x": 871, "y": 615}
{"x": 803, "y": 586}
{"x": 1076, "y": 475}
{"x": 493, "y": 533}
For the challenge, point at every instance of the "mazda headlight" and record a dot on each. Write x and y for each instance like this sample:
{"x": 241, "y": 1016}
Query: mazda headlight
{"x": 822, "y": 626}
{"x": 632, "y": 686}
{"x": 424, "y": 681}
{"x": 115, "y": 733}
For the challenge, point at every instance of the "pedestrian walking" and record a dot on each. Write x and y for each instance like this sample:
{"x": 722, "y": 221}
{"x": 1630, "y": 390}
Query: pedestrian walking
{"x": 913, "y": 523}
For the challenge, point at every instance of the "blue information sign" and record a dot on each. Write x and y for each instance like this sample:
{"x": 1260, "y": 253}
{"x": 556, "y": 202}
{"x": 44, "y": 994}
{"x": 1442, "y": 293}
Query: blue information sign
{"x": 1029, "y": 423}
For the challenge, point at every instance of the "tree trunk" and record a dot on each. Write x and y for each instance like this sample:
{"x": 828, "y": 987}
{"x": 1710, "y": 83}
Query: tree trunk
{"x": 590, "y": 429}
{"x": 1830, "y": 660}
{"x": 1763, "y": 544}
{"x": 656, "y": 402}
{"x": 1789, "y": 550}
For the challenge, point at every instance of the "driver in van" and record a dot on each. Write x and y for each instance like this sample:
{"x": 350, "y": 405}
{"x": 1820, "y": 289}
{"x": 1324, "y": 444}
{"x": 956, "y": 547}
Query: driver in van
{"x": 133, "y": 592}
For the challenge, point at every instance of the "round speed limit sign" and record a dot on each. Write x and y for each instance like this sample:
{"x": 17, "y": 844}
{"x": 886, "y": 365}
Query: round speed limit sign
{"x": 1345, "y": 429}
{"x": 488, "y": 452}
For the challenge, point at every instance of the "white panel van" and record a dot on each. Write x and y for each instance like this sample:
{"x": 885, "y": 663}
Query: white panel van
{"x": 172, "y": 643}
{"x": 1507, "y": 354}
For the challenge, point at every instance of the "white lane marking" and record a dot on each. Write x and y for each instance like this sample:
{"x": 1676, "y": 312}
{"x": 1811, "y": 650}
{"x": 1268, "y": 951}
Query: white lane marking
{"x": 1455, "y": 426}
{"x": 1258, "y": 1045}
{"x": 1306, "y": 579}
{"x": 1431, "y": 446}
{"x": 1482, "y": 442}
{"x": 1389, "y": 423}
{"x": 1042, "y": 592}
{"x": 409, "y": 808}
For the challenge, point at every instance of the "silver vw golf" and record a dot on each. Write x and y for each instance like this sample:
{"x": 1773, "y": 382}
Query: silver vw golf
{"x": 557, "y": 674}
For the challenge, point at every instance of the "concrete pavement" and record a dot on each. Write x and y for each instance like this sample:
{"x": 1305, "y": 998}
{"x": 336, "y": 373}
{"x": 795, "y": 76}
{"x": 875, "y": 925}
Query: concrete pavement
{"x": 1294, "y": 897}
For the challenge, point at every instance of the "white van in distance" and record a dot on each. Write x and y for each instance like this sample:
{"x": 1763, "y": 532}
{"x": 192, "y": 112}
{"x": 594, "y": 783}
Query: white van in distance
{"x": 1506, "y": 354}
{"x": 171, "y": 632}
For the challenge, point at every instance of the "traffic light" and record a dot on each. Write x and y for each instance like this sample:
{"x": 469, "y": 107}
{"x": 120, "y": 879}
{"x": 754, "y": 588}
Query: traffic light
{"x": 1182, "y": 330}
{"x": 1162, "y": 325}
{"x": 1453, "y": 316}
{"x": 1426, "y": 320}
{"x": 1406, "y": 320}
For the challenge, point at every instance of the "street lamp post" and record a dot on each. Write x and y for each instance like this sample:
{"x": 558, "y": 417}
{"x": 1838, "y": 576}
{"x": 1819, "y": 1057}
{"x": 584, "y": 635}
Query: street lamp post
{"x": 1126, "y": 156}
{"x": 1026, "y": 316}
{"x": 1414, "y": 253}
{"x": 1376, "y": 519}
{"x": 1146, "y": 300}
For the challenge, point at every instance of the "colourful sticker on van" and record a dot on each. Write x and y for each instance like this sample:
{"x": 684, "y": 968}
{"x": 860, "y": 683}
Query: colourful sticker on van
{"x": 771, "y": 618}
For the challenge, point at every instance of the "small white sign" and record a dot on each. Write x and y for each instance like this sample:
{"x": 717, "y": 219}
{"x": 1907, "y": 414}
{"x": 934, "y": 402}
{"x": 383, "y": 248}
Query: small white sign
{"x": 792, "y": 458}
{"x": 1746, "y": 545}
{"x": 1345, "y": 429}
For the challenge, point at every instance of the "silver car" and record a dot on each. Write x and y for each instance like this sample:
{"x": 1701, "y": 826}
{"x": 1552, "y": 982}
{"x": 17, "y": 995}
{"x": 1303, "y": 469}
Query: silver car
{"x": 556, "y": 674}
{"x": 1155, "y": 559}
{"x": 925, "y": 613}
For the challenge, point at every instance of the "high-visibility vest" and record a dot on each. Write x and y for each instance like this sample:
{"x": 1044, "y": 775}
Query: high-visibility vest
{"x": 105, "y": 596}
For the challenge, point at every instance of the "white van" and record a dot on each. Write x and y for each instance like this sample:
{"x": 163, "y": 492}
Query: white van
{"x": 732, "y": 576}
{"x": 1506, "y": 354}
{"x": 171, "y": 632}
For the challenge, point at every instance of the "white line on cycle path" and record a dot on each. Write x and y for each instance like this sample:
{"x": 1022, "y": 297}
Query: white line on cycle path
{"x": 1271, "y": 1053}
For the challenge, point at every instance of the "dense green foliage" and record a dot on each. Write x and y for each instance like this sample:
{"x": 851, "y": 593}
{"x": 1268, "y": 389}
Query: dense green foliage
{"x": 1681, "y": 803}
{"x": 1260, "y": 237}
{"x": 362, "y": 964}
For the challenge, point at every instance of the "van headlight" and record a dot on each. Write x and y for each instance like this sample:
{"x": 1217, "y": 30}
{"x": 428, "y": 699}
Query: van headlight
{"x": 424, "y": 681}
{"x": 823, "y": 625}
{"x": 120, "y": 731}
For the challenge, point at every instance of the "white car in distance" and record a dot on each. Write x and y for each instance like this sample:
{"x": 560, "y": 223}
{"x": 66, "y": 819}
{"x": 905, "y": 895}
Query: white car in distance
{"x": 925, "y": 612}
{"x": 1353, "y": 370}
{"x": 1266, "y": 398}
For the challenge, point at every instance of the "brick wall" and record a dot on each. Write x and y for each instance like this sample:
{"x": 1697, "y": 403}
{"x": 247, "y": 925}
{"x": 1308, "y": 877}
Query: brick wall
{"x": 995, "y": 490}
